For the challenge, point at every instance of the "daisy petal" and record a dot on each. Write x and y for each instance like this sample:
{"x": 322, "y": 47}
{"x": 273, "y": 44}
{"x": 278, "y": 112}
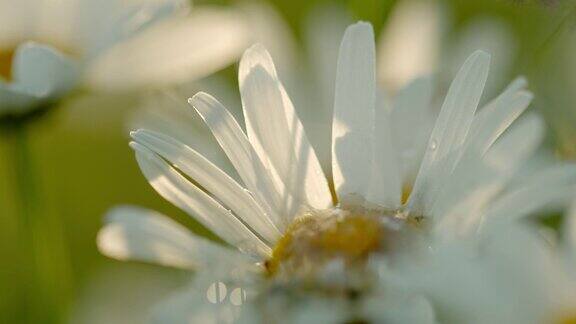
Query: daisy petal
{"x": 495, "y": 118}
{"x": 276, "y": 133}
{"x": 354, "y": 104}
{"x": 477, "y": 180}
{"x": 260, "y": 181}
{"x": 173, "y": 50}
{"x": 554, "y": 175}
{"x": 179, "y": 191}
{"x": 532, "y": 196}
{"x": 450, "y": 131}
{"x": 526, "y": 201}
{"x": 41, "y": 71}
{"x": 138, "y": 234}
{"x": 210, "y": 177}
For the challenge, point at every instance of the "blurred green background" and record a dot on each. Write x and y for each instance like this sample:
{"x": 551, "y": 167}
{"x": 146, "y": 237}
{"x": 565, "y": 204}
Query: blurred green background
{"x": 83, "y": 166}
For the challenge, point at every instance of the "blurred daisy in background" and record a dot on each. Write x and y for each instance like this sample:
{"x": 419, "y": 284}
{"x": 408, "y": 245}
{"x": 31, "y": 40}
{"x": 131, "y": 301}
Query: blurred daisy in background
{"x": 48, "y": 48}
{"x": 305, "y": 237}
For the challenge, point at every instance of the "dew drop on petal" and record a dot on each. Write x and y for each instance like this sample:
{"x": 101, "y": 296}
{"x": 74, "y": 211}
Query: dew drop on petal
{"x": 216, "y": 293}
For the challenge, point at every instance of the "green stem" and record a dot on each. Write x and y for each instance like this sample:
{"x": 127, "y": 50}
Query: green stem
{"x": 45, "y": 259}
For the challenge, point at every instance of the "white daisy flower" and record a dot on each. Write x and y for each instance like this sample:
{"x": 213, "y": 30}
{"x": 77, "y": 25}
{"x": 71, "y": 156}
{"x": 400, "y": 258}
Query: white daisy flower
{"x": 304, "y": 235}
{"x": 48, "y": 48}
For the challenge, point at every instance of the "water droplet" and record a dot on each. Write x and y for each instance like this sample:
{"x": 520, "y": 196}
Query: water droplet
{"x": 433, "y": 145}
{"x": 216, "y": 293}
{"x": 238, "y": 296}
{"x": 248, "y": 247}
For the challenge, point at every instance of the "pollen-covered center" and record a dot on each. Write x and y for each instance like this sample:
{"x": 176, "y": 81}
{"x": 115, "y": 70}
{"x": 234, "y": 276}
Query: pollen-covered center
{"x": 319, "y": 240}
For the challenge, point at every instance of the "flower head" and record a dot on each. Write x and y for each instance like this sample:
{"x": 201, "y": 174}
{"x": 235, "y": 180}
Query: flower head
{"x": 304, "y": 234}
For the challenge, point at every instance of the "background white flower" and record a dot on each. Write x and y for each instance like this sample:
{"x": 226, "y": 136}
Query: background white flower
{"x": 49, "y": 47}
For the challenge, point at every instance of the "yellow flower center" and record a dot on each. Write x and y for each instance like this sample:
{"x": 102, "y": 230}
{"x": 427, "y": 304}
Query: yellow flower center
{"x": 6, "y": 56}
{"x": 314, "y": 240}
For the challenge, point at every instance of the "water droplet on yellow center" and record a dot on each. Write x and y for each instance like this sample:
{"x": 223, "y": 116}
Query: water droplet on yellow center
{"x": 6, "y": 56}
{"x": 315, "y": 240}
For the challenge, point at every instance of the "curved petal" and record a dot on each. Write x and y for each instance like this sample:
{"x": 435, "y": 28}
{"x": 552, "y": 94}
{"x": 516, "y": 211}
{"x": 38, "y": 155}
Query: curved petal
{"x": 354, "y": 104}
{"x": 276, "y": 133}
{"x": 133, "y": 233}
{"x": 450, "y": 131}
{"x": 182, "y": 193}
{"x": 210, "y": 177}
{"x": 174, "y": 50}
{"x": 477, "y": 180}
{"x": 42, "y": 71}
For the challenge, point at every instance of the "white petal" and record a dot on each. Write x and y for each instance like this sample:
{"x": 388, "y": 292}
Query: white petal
{"x": 518, "y": 143}
{"x": 556, "y": 190}
{"x": 495, "y": 118}
{"x": 477, "y": 180}
{"x": 168, "y": 113}
{"x": 42, "y": 71}
{"x": 354, "y": 104}
{"x": 105, "y": 23}
{"x": 385, "y": 182}
{"x": 175, "y": 50}
{"x": 412, "y": 121}
{"x": 563, "y": 173}
{"x": 179, "y": 191}
{"x": 139, "y": 234}
{"x": 526, "y": 201}
{"x": 450, "y": 131}
{"x": 276, "y": 133}
{"x": 259, "y": 180}
{"x": 210, "y": 177}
